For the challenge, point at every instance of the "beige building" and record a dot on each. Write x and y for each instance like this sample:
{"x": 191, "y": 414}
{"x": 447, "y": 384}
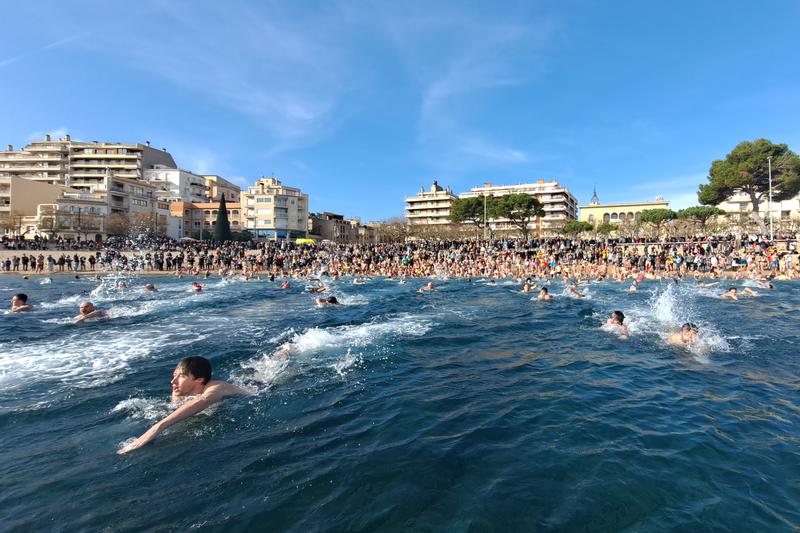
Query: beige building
{"x": 596, "y": 213}
{"x": 272, "y": 211}
{"x": 20, "y": 197}
{"x": 197, "y": 220}
{"x": 74, "y": 215}
{"x": 216, "y": 186}
{"x": 335, "y": 228}
{"x": 80, "y": 164}
{"x": 558, "y": 203}
{"x": 430, "y": 207}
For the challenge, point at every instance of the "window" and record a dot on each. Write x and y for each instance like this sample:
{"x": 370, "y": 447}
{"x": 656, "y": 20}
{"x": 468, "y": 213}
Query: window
{"x": 591, "y": 218}
{"x": 784, "y": 215}
{"x": 606, "y": 218}
{"x": 264, "y": 200}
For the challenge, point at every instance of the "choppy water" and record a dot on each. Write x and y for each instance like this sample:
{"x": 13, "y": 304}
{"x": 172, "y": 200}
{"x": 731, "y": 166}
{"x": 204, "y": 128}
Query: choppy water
{"x": 472, "y": 408}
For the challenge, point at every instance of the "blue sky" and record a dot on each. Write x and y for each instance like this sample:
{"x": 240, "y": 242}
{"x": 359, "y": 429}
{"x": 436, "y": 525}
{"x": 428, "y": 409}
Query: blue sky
{"x": 360, "y": 103}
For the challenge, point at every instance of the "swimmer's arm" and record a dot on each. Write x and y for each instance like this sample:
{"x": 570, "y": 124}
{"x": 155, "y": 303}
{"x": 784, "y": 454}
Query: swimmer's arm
{"x": 187, "y": 410}
{"x": 26, "y": 307}
{"x": 93, "y": 314}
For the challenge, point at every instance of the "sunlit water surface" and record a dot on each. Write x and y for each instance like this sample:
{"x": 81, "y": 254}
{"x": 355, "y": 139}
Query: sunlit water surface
{"x": 469, "y": 408}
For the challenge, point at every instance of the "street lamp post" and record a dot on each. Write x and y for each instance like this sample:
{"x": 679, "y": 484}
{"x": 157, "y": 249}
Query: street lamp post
{"x": 771, "y": 227}
{"x": 485, "y": 219}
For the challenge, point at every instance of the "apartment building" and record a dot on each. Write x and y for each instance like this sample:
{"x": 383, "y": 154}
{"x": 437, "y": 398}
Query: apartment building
{"x": 19, "y": 197}
{"x": 558, "y": 203}
{"x": 74, "y": 215}
{"x": 334, "y": 227}
{"x": 80, "y": 164}
{"x": 430, "y": 207}
{"x": 216, "y": 186}
{"x": 273, "y": 211}
{"x": 198, "y": 219}
{"x": 740, "y": 207}
{"x": 177, "y": 185}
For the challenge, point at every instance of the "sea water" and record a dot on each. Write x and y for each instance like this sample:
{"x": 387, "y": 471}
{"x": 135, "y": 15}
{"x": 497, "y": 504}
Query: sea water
{"x": 470, "y": 408}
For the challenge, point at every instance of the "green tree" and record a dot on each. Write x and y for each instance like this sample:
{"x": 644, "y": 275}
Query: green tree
{"x": 222, "y": 228}
{"x": 574, "y": 227}
{"x": 746, "y": 170}
{"x": 518, "y": 209}
{"x": 657, "y": 217}
{"x": 470, "y": 210}
{"x": 699, "y": 214}
{"x": 604, "y": 228}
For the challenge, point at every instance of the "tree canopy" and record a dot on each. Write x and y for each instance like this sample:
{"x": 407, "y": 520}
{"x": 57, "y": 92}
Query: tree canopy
{"x": 468, "y": 210}
{"x": 746, "y": 170}
{"x": 574, "y": 227}
{"x": 222, "y": 228}
{"x": 518, "y": 209}
{"x": 657, "y": 217}
{"x": 699, "y": 213}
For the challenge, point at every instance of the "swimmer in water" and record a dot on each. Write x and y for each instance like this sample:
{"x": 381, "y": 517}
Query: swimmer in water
{"x": 764, "y": 284}
{"x": 427, "y": 288}
{"x": 285, "y": 285}
{"x": 616, "y": 320}
{"x": 747, "y": 291}
{"x": 19, "y": 303}
{"x": 88, "y": 310}
{"x": 149, "y": 287}
{"x": 191, "y": 379}
{"x": 687, "y": 335}
{"x": 573, "y": 293}
{"x": 633, "y": 286}
{"x": 330, "y": 300}
{"x": 544, "y": 294}
{"x": 730, "y": 294}
{"x": 196, "y": 287}
{"x": 122, "y": 285}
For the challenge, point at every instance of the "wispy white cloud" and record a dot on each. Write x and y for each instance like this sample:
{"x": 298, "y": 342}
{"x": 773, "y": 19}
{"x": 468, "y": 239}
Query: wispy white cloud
{"x": 664, "y": 185}
{"x": 50, "y": 46}
{"x": 459, "y": 57}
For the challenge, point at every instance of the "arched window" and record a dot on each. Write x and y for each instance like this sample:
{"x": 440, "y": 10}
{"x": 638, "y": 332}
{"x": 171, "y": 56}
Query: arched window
{"x": 638, "y": 215}
{"x": 614, "y": 217}
{"x": 591, "y": 218}
{"x": 606, "y": 218}
{"x": 630, "y": 216}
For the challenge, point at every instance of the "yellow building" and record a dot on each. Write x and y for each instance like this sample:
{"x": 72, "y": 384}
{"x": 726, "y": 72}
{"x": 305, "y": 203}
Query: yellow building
{"x": 596, "y": 213}
{"x": 197, "y": 220}
{"x": 272, "y": 211}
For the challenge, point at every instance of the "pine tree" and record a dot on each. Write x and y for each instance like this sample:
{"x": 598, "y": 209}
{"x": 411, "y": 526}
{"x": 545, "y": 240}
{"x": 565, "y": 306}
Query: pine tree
{"x": 222, "y": 229}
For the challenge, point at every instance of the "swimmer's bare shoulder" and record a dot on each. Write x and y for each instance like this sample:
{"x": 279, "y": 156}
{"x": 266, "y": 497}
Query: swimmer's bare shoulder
{"x": 216, "y": 390}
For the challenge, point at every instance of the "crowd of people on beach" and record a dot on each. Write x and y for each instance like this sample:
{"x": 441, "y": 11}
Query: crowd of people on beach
{"x": 727, "y": 256}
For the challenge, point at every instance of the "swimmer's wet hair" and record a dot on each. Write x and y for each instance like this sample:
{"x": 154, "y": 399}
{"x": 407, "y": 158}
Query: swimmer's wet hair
{"x": 689, "y": 326}
{"x": 332, "y": 300}
{"x": 197, "y": 366}
{"x": 618, "y": 315}
{"x": 22, "y": 297}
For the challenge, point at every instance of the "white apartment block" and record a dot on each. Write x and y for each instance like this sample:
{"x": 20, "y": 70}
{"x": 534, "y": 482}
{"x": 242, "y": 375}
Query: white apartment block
{"x": 430, "y": 207}
{"x": 558, "y": 203}
{"x": 272, "y": 211}
{"x": 177, "y": 185}
{"x": 81, "y": 165}
{"x": 741, "y": 206}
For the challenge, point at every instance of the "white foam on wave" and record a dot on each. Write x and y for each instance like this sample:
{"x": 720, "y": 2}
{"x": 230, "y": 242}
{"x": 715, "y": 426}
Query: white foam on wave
{"x": 362, "y": 334}
{"x": 665, "y": 312}
{"x": 143, "y": 408}
{"x": 84, "y": 359}
{"x": 269, "y": 367}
